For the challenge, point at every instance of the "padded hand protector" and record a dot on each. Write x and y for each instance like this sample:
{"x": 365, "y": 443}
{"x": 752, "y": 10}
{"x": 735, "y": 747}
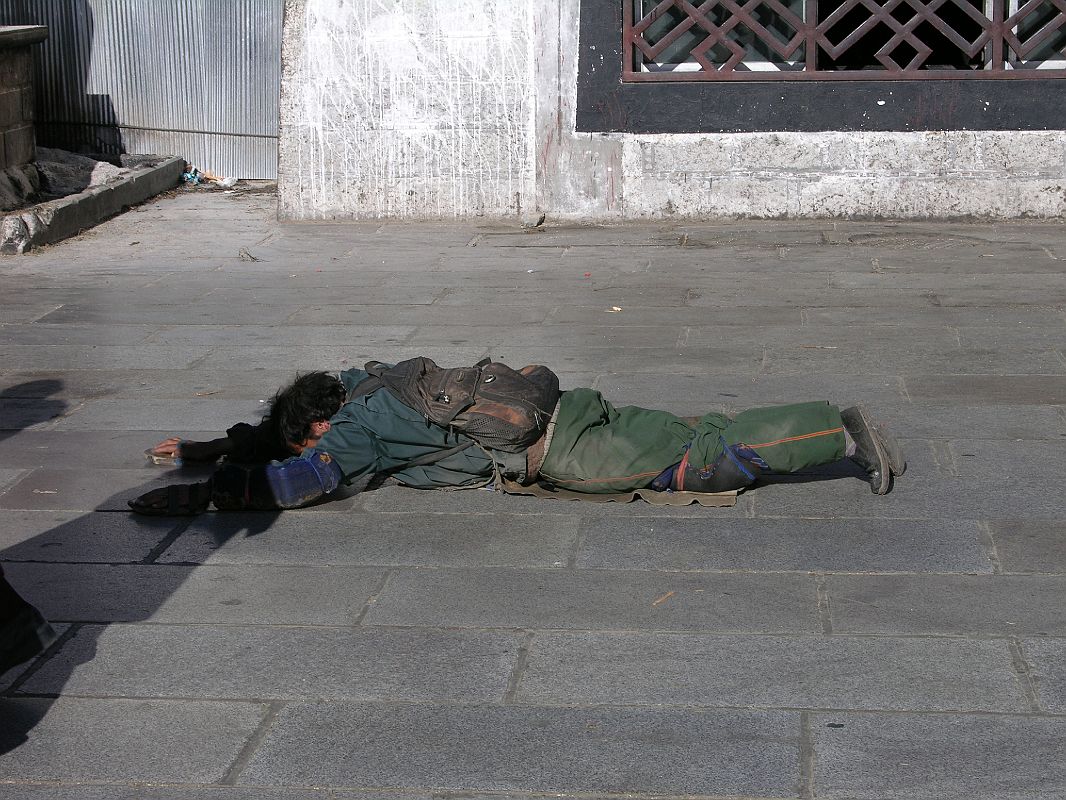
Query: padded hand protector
{"x": 237, "y": 488}
{"x": 289, "y": 484}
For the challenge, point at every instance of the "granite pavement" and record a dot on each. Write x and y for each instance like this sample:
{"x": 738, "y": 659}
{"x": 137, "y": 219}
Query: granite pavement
{"x": 814, "y": 641}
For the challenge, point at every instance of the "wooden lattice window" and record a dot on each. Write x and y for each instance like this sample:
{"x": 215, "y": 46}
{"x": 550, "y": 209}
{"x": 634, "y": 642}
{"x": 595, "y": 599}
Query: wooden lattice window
{"x": 716, "y": 40}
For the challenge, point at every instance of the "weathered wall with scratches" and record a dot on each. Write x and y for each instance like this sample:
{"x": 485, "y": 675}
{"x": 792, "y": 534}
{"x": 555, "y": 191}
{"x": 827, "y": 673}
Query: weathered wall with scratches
{"x": 406, "y": 109}
{"x": 848, "y": 175}
{"x": 458, "y": 108}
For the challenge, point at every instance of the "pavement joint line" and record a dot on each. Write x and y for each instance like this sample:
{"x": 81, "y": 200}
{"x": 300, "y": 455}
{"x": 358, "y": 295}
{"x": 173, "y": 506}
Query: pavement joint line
{"x": 575, "y": 549}
{"x": 695, "y": 633}
{"x": 514, "y": 680}
{"x": 244, "y": 757}
{"x": 666, "y": 571}
{"x": 41, "y": 659}
{"x": 988, "y": 541}
{"x": 164, "y": 544}
{"x": 373, "y": 598}
{"x": 699, "y": 710}
{"x": 1024, "y": 672}
{"x": 806, "y": 758}
{"x": 903, "y": 390}
{"x": 825, "y": 608}
{"x": 399, "y": 791}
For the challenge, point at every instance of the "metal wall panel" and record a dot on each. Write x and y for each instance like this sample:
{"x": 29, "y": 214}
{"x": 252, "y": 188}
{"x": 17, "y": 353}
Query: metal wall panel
{"x": 194, "y": 78}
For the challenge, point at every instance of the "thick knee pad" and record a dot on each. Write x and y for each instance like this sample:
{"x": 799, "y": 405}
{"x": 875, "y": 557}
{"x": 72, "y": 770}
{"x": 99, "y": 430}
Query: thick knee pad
{"x": 730, "y": 471}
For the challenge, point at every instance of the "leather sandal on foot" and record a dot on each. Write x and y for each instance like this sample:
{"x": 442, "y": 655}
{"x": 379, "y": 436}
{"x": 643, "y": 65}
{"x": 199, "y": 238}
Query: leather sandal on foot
{"x": 178, "y": 500}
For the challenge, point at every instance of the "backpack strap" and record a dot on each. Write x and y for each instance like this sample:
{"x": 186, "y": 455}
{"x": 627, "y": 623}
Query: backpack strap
{"x": 369, "y": 384}
{"x": 433, "y": 458}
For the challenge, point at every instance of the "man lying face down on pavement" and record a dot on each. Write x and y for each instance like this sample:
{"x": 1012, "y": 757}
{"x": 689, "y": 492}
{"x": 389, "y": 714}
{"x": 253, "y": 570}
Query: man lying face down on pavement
{"x": 432, "y": 428}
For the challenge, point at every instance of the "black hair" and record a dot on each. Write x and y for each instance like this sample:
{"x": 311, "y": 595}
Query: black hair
{"x": 313, "y": 397}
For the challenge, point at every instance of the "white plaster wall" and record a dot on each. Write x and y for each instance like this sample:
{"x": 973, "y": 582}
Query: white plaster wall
{"x": 406, "y": 109}
{"x": 459, "y": 108}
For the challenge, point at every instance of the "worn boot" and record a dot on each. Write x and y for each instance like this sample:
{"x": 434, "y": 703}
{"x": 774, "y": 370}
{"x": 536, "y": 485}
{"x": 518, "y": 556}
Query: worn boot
{"x": 875, "y": 450}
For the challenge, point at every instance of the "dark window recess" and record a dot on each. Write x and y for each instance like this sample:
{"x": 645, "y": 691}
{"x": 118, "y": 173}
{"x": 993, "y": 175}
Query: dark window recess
{"x": 730, "y": 40}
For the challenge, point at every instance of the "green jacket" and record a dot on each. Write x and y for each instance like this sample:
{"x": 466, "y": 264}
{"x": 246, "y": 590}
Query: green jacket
{"x": 595, "y": 447}
{"x": 378, "y": 433}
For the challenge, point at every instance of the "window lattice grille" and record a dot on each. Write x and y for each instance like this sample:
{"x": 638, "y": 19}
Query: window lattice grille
{"x": 711, "y": 40}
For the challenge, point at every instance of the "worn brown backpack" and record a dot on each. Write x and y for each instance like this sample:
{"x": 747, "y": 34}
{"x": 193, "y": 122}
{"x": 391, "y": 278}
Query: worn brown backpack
{"x": 496, "y": 406}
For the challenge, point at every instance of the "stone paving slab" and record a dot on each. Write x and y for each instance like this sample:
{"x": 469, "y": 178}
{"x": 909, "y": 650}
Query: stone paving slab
{"x": 114, "y": 792}
{"x": 601, "y": 312}
{"x": 441, "y": 539}
{"x": 56, "y": 357}
{"x": 205, "y": 413}
{"x": 33, "y": 414}
{"x": 394, "y": 498}
{"x": 80, "y": 490}
{"x": 244, "y": 663}
{"x": 998, "y": 605}
{"x": 360, "y": 295}
{"x": 490, "y": 314}
{"x": 124, "y": 740}
{"x": 24, "y": 312}
{"x": 1051, "y": 280}
{"x": 870, "y": 757}
{"x": 1030, "y": 545}
{"x": 691, "y": 393}
{"x": 16, "y": 672}
{"x": 1047, "y": 658}
{"x": 977, "y": 317}
{"x": 227, "y": 595}
{"x": 201, "y": 313}
{"x": 9, "y": 477}
{"x": 769, "y": 545}
{"x": 770, "y": 671}
{"x": 72, "y": 536}
{"x": 810, "y": 591}
{"x": 332, "y": 358}
{"x": 667, "y": 360}
{"x": 220, "y": 384}
{"x": 94, "y": 449}
{"x": 943, "y": 498}
{"x": 506, "y": 598}
{"x": 43, "y": 334}
{"x": 1012, "y": 389}
{"x": 999, "y": 422}
{"x": 284, "y": 335}
{"x": 512, "y": 749}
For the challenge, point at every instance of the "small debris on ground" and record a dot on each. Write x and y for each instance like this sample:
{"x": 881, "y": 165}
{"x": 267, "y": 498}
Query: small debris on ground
{"x": 195, "y": 177}
{"x": 658, "y": 601}
{"x": 246, "y": 256}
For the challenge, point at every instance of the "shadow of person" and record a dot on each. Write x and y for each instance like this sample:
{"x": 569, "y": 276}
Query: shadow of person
{"x": 29, "y": 404}
{"x": 68, "y": 572}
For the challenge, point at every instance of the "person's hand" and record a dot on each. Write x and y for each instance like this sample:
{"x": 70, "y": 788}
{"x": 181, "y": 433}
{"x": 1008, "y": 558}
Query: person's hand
{"x": 179, "y": 500}
{"x": 168, "y": 447}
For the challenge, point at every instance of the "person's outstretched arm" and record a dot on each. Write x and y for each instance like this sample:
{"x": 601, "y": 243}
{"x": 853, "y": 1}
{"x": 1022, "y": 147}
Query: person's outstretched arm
{"x": 280, "y": 484}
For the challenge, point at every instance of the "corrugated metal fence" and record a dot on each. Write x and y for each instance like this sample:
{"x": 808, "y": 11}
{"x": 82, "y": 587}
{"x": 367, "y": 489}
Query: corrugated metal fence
{"x": 193, "y": 78}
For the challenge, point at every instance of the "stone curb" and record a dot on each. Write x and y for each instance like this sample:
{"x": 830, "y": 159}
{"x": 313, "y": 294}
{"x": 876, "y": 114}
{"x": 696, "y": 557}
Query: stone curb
{"x": 46, "y": 223}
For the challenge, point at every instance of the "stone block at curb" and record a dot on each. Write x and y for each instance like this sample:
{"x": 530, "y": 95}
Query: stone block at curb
{"x": 124, "y": 740}
{"x": 920, "y": 757}
{"x": 56, "y": 220}
{"x": 499, "y": 749}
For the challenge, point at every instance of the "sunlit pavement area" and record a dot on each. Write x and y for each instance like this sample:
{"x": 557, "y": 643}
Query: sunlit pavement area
{"x": 812, "y": 641}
